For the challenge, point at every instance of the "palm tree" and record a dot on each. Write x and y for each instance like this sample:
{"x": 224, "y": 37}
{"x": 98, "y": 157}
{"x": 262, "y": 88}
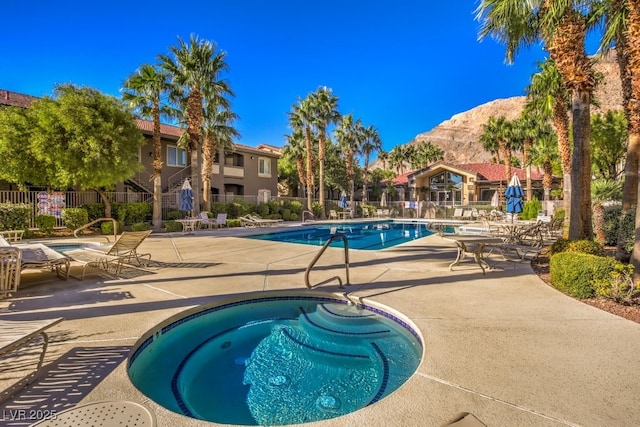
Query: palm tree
{"x": 603, "y": 190}
{"x": 498, "y": 131}
{"x": 562, "y": 27}
{"x": 218, "y": 134}
{"x": 348, "y": 135}
{"x": 370, "y": 142}
{"x": 547, "y": 95}
{"x": 295, "y": 149}
{"x": 144, "y": 92}
{"x": 325, "y": 112}
{"x": 544, "y": 153}
{"x": 384, "y": 158}
{"x": 195, "y": 69}
{"x": 398, "y": 156}
{"x": 301, "y": 117}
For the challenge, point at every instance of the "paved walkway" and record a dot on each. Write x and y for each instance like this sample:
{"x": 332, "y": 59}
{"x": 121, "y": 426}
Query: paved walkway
{"x": 504, "y": 346}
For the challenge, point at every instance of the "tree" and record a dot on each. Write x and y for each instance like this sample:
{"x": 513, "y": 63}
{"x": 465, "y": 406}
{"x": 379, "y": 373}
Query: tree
{"x": 325, "y": 113}
{"x": 562, "y": 27}
{"x": 301, "y": 117}
{"x": 218, "y": 133}
{"x": 348, "y": 136}
{"x": 295, "y": 150}
{"x": 81, "y": 138}
{"x": 194, "y": 70}
{"x": 547, "y": 95}
{"x": 144, "y": 91}
{"x": 369, "y": 143}
{"x": 398, "y": 156}
{"x": 498, "y": 132}
{"x": 609, "y": 143}
{"x": 544, "y": 153}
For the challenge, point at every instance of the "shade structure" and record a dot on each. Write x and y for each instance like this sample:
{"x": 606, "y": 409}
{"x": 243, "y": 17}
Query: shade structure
{"x": 495, "y": 200}
{"x": 514, "y": 195}
{"x": 186, "y": 197}
{"x": 343, "y": 200}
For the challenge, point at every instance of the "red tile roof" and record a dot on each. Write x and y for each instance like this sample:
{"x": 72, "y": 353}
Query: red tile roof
{"x": 495, "y": 171}
{"x": 14, "y": 99}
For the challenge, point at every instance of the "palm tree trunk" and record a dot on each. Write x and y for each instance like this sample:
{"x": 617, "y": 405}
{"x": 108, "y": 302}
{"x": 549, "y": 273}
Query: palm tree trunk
{"x": 156, "y": 218}
{"x": 321, "y": 154}
{"x": 580, "y": 226}
{"x": 309, "y": 170}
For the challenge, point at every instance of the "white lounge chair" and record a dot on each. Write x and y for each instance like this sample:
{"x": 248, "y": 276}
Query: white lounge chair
{"x": 333, "y": 214}
{"x": 16, "y": 334}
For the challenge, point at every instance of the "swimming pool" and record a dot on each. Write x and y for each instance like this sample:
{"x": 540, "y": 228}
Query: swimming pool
{"x": 275, "y": 358}
{"x": 372, "y": 235}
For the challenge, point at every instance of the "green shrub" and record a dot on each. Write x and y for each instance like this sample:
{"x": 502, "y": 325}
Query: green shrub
{"x": 286, "y": 214}
{"x": 263, "y": 210}
{"x": 627, "y": 229}
{"x": 107, "y": 227}
{"x": 577, "y": 274}
{"x": 14, "y": 216}
{"x": 611, "y": 224}
{"x": 316, "y": 208}
{"x": 141, "y": 226}
{"x": 94, "y": 210}
{"x": 531, "y": 208}
{"x": 295, "y": 207}
{"x": 233, "y": 222}
{"x": 174, "y": 214}
{"x": 138, "y": 212}
{"x": 172, "y": 226}
{"x": 619, "y": 287}
{"x": 582, "y": 246}
{"x": 294, "y": 217}
{"x": 75, "y": 218}
{"x": 46, "y": 224}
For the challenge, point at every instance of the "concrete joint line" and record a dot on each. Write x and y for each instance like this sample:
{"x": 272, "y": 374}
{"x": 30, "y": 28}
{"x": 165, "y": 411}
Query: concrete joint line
{"x": 484, "y": 396}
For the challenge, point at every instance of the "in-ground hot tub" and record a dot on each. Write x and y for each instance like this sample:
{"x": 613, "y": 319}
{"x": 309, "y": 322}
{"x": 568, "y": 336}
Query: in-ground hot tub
{"x": 276, "y": 358}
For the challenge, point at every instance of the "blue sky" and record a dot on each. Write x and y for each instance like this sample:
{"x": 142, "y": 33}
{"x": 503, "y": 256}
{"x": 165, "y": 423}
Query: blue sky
{"x": 403, "y": 66}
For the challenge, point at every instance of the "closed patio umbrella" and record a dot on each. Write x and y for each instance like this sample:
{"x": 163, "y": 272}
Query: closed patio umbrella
{"x": 383, "y": 199}
{"x": 495, "y": 200}
{"x": 343, "y": 200}
{"x": 186, "y": 197}
{"x": 514, "y": 195}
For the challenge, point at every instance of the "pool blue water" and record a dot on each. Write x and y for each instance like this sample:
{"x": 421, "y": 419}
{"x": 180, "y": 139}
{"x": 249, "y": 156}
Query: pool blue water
{"x": 64, "y": 247}
{"x": 360, "y": 235}
{"x": 276, "y": 361}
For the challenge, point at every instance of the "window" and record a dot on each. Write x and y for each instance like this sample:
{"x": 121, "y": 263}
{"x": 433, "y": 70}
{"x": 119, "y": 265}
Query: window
{"x": 264, "y": 167}
{"x": 176, "y": 156}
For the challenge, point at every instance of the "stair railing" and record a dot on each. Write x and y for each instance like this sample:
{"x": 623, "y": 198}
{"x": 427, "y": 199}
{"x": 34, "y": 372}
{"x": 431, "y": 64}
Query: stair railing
{"x": 115, "y": 228}
{"x": 319, "y": 254}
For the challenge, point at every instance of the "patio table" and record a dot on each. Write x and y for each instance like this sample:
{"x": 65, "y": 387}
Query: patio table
{"x": 475, "y": 245}
{"x": 189, "y": 225}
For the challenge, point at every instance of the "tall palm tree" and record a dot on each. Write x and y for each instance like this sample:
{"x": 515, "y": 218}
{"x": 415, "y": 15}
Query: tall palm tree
{"x": 348, "y": 135}
{"x": 301, "y": 117}
{"x": 295, "y": 149}
{"x": 325, "y": 112}
{"x": 398, "y": 157}
{"x": 195, "y": 69}
{"x": 562, "y": 27}
{"x": 370, "y": 142}
{"x": 384, "y": 158}
{"x": 547, "y": 95}
{"x": 218, "y": 133}
{"x": 144, "y": 91}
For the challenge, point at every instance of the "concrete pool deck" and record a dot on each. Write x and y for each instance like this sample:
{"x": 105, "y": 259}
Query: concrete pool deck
{"x": 504, "y": 346}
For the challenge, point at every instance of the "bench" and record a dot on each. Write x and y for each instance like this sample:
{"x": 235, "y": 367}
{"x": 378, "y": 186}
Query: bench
{"x": 16, "y": 334}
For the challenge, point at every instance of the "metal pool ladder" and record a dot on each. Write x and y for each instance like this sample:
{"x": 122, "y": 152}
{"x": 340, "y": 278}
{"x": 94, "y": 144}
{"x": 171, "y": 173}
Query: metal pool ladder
{"x": 317, "y": 257}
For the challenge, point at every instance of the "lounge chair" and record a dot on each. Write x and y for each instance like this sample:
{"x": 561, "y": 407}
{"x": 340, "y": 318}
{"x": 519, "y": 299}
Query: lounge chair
{"x": 457, "y": 213}
{"x": 16, "y": 334}
{"x": 10, "y": 266}
{"x": 124, "y": 249}
{"x": 103, "y": 413}
{"x": 255, "y": 221}
{"x": 466, "y": 214}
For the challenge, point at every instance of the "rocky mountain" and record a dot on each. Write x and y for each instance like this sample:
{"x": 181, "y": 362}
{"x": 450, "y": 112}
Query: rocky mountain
{"x": 459, "y": 136}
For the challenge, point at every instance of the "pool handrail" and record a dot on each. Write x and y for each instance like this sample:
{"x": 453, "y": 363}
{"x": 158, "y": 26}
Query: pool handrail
{"x": 319, "y": 254}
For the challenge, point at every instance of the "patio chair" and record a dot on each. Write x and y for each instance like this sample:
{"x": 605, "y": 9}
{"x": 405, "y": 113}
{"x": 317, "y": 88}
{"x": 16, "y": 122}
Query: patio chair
{"x": 466, "y": 214}
{"x": 103, "y": 413}
{"x": 333, "y": 214}
{"x": 457, "y": 213}
{"x": 125, "y": 248}
{"x": 16, "y": 334}
{"x": 10, "y": 267}
{"x": 219, "y": 221}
